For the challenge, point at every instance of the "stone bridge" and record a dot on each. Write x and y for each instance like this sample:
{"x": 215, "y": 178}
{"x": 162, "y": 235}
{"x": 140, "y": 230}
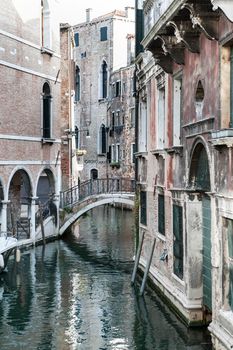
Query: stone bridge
{"x": 90, "y": 194}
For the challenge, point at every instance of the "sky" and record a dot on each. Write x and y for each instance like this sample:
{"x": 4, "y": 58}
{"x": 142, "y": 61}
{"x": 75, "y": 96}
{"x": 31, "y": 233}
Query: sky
{"x": 74, "y": 11}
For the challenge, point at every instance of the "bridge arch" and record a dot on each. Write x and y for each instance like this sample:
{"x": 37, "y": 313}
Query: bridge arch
{"x": 93, "y": 202}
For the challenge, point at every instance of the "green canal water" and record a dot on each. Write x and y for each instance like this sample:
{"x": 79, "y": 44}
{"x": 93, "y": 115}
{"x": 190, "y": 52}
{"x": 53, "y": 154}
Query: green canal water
{"x": 76, "y": 294}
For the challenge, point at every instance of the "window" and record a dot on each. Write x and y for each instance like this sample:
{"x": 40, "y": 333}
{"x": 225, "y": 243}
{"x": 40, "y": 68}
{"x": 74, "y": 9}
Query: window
{"x": 76, "y": 137}
{"x": 113, "y": 153}
{"x": 178, "y": 251}
{"x": 133, "y": 150}
{"x": 77, "y": 84}
{"x": 94, "y": 174}
{"x": 76, "y": 39}
{"x": 142, "y": 126}
{"x": 228, "y": 287}
{"x": 117, "y": 159}
{"x": 103, "y": 33}
{"x": 113, "y": 119}
{"x": 161, "y": 214}
{"x": 46, "y": 111}
{"x": 199, "y": 99}
{"x": 103, "y": 80}
{"x": 118, "y": 88}
{"x": 118, "y": 118}
{"x": 161, "y": 119}
{"x": 177, "y": 103}
{"x": 231, "y": 88}
{"x": 132, "y": 117}
{"x": 102, "y": 140}
{"x": 46, "y": 32}
{"x": 143, "y": 220}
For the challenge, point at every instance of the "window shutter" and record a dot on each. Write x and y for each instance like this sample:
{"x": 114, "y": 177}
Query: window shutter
{"x": 103, "y": 33}
{"x": 76, "y": 39}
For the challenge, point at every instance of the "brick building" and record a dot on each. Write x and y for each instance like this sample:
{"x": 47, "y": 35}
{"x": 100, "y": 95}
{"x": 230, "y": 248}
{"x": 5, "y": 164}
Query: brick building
{"x": 29, "y": 112}
{"x": 185, "y": 158}
{"x": 101, "y": 47}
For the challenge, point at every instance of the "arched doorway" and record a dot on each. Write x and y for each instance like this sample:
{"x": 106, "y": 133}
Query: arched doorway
{"x": 199, "y": 181}
{"x": 45, "y": 194}
{"x": 20, "y": 194}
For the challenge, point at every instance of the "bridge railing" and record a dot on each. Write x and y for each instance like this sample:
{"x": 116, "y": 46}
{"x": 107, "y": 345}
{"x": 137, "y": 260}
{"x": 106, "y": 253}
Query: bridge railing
{"x": 94, "y": 187}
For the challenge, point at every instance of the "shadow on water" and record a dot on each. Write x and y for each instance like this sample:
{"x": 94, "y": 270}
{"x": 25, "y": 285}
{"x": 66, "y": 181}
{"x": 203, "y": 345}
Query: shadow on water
{"x": 76, "y": 294}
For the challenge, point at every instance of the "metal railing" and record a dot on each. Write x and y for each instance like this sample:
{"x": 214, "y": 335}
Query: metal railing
{"x": 88, "y": 188}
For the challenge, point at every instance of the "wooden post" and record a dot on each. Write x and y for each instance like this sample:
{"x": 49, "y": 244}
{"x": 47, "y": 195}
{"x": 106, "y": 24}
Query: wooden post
{"x": 137, "y": 259}
{"x": 147, "y": 269}
{"x": 42, "y": 223}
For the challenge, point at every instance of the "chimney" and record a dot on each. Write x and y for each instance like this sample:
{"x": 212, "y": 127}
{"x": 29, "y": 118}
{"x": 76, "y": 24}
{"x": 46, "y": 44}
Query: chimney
{"x": 88, "y": 14}
{"x": 130, "y": 13}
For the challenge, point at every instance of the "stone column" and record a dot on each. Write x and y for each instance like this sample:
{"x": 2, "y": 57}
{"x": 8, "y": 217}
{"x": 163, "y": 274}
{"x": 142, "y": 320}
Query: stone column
{"x": 4, "y": 216}
{"x": 33, "y": 218}
{"x": 56, "y": 201}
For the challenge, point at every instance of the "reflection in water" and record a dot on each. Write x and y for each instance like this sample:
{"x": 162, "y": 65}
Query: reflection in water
{"x": 76, "y": 294}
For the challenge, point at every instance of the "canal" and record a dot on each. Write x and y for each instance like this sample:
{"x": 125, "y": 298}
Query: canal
{"x": 76, "y": 294}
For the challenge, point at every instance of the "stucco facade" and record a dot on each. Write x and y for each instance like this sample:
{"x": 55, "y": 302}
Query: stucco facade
{"x": 30, "y": 109}
{"x": 184, "y": 159}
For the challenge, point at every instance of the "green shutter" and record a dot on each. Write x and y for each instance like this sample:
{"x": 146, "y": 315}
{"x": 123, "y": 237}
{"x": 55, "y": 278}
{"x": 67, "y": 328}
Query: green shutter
{"x": 76, "y": 39}
{"x": 178, "y": 250}
{"x": 161, "y": 214}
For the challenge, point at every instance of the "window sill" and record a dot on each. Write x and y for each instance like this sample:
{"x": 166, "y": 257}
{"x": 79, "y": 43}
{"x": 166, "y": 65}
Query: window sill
{"x": 182, "y": 283}
{"x": 115, "y": 165}
{"x": 175, "y": 150}
{"x": 161, "y": 237}
{"x": 49, "y": 141}
{"x": 47, "y": 51}
{"x": 103, "y": 100}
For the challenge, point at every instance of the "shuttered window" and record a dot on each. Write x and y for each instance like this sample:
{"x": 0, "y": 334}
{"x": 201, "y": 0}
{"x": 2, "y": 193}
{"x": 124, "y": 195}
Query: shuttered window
{"x": 76, "y": 39}
{"x": 103, "y": 33}
{"x": 161, "y": 214}
{"x": 143, "y": 207}
{"x": 178, "y": 250}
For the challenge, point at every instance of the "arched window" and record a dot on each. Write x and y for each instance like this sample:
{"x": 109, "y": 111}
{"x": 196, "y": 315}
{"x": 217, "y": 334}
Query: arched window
{"x": 102, "y": 140}
{"x": 46, "y": 25}
{"x": 199, "y": 99}
{"x": 46, "y": 111}
{"x": 77, "y": 84}
{"x": 104, "y": 80}
{"x": 94, "y": 174}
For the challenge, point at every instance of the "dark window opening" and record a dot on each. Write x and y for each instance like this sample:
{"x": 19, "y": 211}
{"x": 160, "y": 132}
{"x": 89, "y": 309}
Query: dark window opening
{"x": 103, "y": 141}
{"x": 76, "y": 137}
{"x": 46, "y": 111}
{"x": 143, "y": 207}
{"x": 77, "y": 84}
{"x": 161, "y": 214}
{"x": 178, "y": 251}
{"x": 94, "y": 174}
{"x": 104, "y": 79}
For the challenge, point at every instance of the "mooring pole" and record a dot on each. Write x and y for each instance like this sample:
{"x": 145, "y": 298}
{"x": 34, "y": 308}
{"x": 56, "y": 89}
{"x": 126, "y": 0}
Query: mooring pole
{"x": 137, "y": 259}
{"x": 147, "y": 269}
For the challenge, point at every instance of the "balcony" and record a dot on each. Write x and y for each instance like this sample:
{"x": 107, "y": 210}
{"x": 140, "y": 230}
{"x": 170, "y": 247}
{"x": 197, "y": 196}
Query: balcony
{"x": 153, "y": 10}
